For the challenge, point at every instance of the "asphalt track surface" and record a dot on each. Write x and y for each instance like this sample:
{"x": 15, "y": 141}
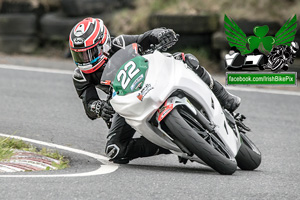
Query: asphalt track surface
{"x": 44, "y": 106}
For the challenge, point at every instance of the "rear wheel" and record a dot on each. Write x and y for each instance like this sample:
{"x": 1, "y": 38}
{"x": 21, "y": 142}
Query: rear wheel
{"x": 248, "y": 157}
{"x": 184, "y": 127}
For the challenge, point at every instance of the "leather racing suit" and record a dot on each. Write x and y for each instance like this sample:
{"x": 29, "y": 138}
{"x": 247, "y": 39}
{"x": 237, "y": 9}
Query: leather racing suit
{"x": 121, "y": 147}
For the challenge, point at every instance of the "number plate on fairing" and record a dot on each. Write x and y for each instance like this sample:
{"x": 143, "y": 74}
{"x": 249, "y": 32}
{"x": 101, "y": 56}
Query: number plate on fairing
{"x": 131, "y": 76}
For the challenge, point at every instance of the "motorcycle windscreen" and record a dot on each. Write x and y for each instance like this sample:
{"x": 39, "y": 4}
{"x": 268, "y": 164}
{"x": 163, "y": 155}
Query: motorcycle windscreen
{"x": 116, "y": 61}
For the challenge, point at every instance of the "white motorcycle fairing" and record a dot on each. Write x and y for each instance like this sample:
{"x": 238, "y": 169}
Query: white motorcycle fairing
{"x": 166, "y": 75}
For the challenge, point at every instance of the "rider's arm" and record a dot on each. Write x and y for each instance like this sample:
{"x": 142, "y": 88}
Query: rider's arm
{"x": 154, "y": 36}
{"x": 86, "y": 91}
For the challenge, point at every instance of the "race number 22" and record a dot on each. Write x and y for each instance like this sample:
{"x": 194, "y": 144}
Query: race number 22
{"x": 125, "y": 76}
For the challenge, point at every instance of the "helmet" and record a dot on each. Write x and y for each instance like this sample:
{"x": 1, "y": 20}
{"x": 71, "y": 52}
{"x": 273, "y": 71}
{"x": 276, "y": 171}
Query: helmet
{"x": 89, "y": 44}
{"x": 294, "y": 47}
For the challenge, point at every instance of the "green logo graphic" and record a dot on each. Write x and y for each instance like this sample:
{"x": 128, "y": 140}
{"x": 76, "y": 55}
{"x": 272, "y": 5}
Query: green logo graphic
{"x": 237, "y": 38}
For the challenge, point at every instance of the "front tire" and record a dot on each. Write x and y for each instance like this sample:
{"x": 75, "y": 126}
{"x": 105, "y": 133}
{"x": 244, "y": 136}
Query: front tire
{"x": 248, "y": 157}
{"x": 187, "y": 135}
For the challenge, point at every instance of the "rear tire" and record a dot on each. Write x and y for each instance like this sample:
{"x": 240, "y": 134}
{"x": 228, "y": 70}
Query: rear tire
{"x": 197, "y": 145}
{"x": 248, "y": 157}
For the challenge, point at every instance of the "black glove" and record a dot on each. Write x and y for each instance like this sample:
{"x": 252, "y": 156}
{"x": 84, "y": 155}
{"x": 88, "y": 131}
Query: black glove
{"x": 165, "y": 38}
{"x": 102, "y": 109}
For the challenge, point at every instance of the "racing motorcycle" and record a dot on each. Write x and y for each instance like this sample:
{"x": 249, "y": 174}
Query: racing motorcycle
{"x": 167, "y": 103}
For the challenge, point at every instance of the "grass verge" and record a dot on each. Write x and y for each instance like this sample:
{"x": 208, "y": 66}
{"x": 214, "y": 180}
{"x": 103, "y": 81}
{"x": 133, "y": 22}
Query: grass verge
{"x": 7, "y": 146}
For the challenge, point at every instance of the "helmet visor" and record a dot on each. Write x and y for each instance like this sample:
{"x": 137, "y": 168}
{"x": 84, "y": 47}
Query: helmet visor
{"x": 89, "y": 56}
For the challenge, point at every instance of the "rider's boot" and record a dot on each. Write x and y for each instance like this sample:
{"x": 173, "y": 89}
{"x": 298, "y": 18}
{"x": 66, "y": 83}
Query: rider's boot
{"x": 226, "y": 99}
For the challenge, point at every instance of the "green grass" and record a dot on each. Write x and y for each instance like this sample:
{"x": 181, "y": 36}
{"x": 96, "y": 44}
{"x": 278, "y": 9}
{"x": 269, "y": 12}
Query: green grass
{"x": 6, "y": 151}
{"x": 7, "y": 145}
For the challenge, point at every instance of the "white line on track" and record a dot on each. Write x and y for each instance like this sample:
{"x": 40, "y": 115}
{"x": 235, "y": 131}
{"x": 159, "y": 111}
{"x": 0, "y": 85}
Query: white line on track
{"x": 263, "y": 90}
{"x": 36, "y": 69}
{"x": 69, "y": 72}
{"x": 103, "y": 169}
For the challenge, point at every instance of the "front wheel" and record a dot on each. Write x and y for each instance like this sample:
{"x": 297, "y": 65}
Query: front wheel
{"x": 213, "y": 154}
{"x": 248, "y": 157}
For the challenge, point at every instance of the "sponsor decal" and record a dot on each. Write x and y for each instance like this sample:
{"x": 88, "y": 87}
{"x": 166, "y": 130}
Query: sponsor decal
{"x": 137, "y": 82}
{"x": 144, "y": 91}
{"x": 139, "y": 86}
{"x": 79, "y": 50}
{"x": 78, "y": 41}
{"x": 166, "y": 109}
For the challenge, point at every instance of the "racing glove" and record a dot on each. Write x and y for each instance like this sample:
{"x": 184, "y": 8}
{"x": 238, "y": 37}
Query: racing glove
{"x": 102, "y": 109}
{"x": 165, "y": 38}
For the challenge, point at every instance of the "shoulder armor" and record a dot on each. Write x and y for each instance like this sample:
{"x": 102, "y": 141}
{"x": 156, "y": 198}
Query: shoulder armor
{"x": 119, "y": 42}
{"x": 78, "y": 75}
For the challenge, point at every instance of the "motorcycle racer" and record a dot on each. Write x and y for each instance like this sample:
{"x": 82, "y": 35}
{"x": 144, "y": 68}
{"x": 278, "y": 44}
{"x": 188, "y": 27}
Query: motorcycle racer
{"x": 91, "y": 47}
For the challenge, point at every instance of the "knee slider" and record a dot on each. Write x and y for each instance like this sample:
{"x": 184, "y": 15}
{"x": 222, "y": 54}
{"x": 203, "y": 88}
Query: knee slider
{"x": 112, "y": 151}
{"x": 116, "y": 150}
